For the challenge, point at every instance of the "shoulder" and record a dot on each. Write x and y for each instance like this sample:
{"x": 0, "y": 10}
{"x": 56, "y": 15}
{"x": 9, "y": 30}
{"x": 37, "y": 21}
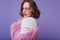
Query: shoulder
{"x": 29, "y": 19}
{"x": 29, "y": 22}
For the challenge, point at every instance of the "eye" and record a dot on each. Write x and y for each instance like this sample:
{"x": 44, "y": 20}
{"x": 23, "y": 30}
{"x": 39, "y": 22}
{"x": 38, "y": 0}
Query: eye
{"x": 27, "y": 8}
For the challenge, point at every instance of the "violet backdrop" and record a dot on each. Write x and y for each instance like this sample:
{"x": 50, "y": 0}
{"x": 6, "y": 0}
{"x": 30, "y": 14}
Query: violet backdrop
{"x": 49, "y": 20}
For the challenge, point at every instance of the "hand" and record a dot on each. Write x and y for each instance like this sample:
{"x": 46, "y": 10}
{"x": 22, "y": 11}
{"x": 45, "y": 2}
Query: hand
{"x": 19, "y": 20}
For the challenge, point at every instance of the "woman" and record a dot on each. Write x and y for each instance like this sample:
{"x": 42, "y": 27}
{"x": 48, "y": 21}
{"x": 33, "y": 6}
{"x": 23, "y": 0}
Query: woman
{"x": 26, "y": 28}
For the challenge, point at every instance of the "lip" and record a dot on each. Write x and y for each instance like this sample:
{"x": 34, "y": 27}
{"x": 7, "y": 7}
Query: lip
{"x": 24, "y": 14}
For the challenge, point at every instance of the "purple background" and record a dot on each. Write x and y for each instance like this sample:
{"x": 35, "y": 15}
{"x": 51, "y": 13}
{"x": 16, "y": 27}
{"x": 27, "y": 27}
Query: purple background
{"x": 49, "y": 21}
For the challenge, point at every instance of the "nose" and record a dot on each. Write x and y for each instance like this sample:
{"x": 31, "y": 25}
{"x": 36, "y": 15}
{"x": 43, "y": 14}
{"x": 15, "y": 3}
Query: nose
{"x": 24, "y": 11}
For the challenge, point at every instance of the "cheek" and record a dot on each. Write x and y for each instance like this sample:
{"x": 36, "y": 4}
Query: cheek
{"x": 28, "y": 13}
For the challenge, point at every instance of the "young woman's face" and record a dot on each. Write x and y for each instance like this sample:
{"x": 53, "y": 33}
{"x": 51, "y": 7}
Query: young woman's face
{"x": 26, "y": 9}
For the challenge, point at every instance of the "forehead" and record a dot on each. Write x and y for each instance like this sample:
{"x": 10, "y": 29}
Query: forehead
{"x": 26, "y": 4}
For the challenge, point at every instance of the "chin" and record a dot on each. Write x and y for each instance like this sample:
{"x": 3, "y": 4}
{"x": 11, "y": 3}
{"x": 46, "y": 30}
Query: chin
{"x": 26, "y": 16}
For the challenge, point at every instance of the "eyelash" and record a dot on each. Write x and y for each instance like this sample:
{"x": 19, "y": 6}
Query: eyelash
{"x": 26, "y": 8}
